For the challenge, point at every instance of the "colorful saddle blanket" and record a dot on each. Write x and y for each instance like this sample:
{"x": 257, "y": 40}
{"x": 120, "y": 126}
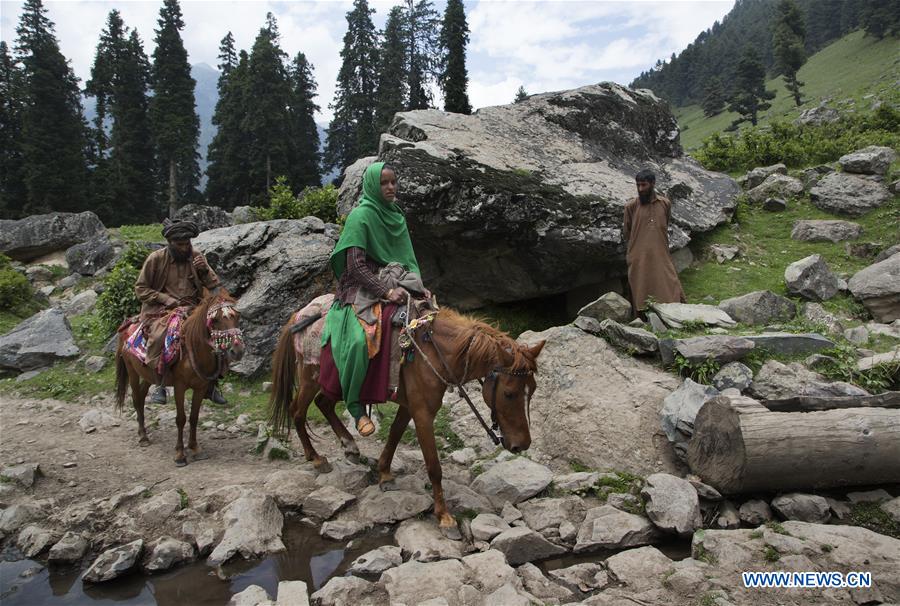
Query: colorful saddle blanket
{"x": 138, "y": 336}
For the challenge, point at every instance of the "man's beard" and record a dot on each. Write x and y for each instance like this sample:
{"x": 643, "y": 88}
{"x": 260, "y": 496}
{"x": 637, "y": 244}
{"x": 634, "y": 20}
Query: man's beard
{"x": 178, "y": 256}
{"x": 645, "y": 197}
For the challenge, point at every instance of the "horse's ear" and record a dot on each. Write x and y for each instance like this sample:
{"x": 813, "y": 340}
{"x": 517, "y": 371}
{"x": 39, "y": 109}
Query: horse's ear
{"x": 535, "y": 350}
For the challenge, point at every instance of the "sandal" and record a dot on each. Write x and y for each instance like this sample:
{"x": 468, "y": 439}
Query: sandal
{"x": 365, "y": 426}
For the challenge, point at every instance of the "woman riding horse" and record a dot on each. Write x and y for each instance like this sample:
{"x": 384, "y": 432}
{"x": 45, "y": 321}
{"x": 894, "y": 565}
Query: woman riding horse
{"x": 374, "y": 235}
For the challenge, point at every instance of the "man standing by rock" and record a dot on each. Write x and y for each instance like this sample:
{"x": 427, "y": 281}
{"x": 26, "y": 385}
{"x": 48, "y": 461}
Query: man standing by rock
{"x": 651, "y": 272}
{"x": 172, "y": 277}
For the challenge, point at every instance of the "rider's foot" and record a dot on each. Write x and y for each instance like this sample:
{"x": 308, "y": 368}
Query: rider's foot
{"x": 365, "y": 426}
{"x": 159, "y": 395}
{"x": 215, "y": 396}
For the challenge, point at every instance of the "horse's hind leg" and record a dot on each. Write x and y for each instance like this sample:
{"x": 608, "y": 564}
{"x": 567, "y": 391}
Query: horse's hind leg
{"x": 138, "y": 397}
{"x": 326, "y": 405}
{"x": 196, "y": 402}
{"x": 299, "y": 407}
{"x": 401, "y": 421}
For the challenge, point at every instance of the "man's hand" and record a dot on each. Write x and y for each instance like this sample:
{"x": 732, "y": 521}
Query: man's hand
{"x": 397, "y": 295}
{"x": 427, "y": 294}
{"x": 200, "y": 263}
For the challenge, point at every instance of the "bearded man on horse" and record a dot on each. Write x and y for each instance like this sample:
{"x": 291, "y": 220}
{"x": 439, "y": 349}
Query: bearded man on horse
{"x": 172, "y": 277}
{"x": 374, "y": 235}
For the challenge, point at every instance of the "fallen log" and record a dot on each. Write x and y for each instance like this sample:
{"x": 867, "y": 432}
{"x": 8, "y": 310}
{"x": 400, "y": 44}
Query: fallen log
{"x": 740, "y": 446}
{"x": 888, "y": 399}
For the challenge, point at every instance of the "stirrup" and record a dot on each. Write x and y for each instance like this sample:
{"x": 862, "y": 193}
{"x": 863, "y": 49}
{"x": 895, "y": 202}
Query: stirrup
{"x": 365, "y": 427}
{"x": 159, "y": 395}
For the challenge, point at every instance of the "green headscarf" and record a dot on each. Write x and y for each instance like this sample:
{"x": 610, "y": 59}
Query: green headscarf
{"x": 377, "y": 226}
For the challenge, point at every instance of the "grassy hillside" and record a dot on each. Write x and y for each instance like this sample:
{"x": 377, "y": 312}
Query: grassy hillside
{"x": 853, "y": 67}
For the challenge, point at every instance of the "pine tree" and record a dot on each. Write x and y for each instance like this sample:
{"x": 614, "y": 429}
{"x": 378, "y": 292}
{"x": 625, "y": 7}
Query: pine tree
{"x": 305, "y": 133}
{"x": 53, "y": 128}
{"x": 12, "y": 185}
{"x": 109, "y": 49}
{"x": 454, "y": 77}
{"x": 267, "y": 118}
{"x": 521, "y": 95}
{"x": 132, "y": 155}
{"x": 390, "y": 95}
{"x": 790, "y": 45}
{"x": 228, "y": 169}
{"x": 173, "y": 115}
{"x": 352, "y": 133}
{"x": 750, "y": 95}
{"x": 713, "y": 97}
{"x": 880, "y": 18}
{"x": 421, "y": 51}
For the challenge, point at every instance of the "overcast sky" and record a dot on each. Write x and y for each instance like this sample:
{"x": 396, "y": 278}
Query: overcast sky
{"x": 543, "y": 46}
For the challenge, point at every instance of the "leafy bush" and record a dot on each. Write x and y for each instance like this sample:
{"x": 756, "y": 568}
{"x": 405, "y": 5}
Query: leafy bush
{"x": 118, "y": 300}
{"x": 800, "y": 145}
{"x": 318, "y": 202}
{"x": 15, "y": 290}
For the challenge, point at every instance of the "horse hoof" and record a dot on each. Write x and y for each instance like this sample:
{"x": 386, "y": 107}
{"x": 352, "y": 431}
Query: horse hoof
{"x": 388, "y": 485}
{"x": 180, "y": 462}
{"x": 323, "y": 466}
{"x": 451, "y": 532}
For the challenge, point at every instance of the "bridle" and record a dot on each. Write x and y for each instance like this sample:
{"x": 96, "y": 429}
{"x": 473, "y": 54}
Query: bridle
{"x": 492, "y": 376}
{"x": 220, "y": 341}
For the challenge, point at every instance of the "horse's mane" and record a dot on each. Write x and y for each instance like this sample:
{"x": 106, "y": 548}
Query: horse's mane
{"x": 483, "y": 341}
{"x": 195, "y": 331}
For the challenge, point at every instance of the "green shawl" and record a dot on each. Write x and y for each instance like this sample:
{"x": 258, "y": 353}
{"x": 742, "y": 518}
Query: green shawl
{"x": 377, "y": 226}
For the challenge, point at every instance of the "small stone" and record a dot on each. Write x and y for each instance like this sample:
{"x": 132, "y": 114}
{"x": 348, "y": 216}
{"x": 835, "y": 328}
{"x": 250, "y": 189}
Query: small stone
{"x": 70, "y": 464}
{"x": 774, "y": 204}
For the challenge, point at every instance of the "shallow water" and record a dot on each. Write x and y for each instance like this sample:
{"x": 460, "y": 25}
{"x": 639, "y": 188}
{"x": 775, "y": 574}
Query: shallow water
{"x": 308, "y": 558}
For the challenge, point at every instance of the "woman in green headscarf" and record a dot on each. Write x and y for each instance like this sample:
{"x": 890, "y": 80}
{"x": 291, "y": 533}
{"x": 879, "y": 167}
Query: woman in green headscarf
{"x": 374, "y": 235}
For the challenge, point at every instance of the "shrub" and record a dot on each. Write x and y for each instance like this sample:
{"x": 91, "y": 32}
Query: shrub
{"x": 800, "y": 145}
{"x": 318, "y": 202}
{"x": 118, "y": 300}
{"x": 15, "y": 290}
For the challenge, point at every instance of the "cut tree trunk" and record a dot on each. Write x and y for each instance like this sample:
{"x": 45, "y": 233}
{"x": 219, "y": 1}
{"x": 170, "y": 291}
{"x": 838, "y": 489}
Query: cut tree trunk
{"x": 740, "y": 446}
{"x": 888, "y": 399}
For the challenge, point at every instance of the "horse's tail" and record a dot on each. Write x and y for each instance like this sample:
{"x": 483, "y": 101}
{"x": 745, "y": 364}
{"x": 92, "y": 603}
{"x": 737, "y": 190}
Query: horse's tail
{"x": 284, "y": 382}
{"x": 121, "y": 375}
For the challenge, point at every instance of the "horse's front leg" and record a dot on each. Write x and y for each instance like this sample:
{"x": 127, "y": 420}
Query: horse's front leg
{"x": 138, "y": 397}
{"x": 196, "y": 401}
{"x": 180, "y": 459}
{"x": 385, "y": 477}
{"x": 424, "y": 421}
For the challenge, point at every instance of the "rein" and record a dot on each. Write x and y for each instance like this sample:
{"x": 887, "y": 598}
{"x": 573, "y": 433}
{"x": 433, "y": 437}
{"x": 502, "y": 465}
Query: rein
{"x": 458, "y": 384}
{"x": 219, "y": 340}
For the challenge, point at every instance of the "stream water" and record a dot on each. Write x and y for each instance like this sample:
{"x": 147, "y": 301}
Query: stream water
{"x": 309, "y": 558}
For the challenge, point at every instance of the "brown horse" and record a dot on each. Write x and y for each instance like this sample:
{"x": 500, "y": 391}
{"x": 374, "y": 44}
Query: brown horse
{"x": 211, "y": 340}
{"x": 451, "y": 350}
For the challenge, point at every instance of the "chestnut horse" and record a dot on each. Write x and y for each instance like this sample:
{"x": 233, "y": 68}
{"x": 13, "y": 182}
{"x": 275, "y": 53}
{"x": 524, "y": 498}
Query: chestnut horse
{"x": 211, "y": 340}
{"x": 451, "y": 350}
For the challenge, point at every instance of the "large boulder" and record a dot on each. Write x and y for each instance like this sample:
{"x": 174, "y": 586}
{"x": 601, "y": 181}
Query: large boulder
{"x": 778, "y": 186}
{"x": 87, "y": 258}
{"x": 817, "y": 116}
{"x": 824, "y": 230}
{"x": 811, "y": 279}
{"x": 878, "y": 287}
{"x": 38, "y": 235}
{"x": 274, "y": 268}
{"x": 39, "y": 341}
{"x": 514, "y": 480}
{"x": 848, "y": 194}
{"x": 526, "y": 200}
{"x": 760, "y": 174}
{"x": 759, "y": 308}
{"x": 206, "y": 217}
{"x": 605, "y": 404}
{"x": 872, "y": 160}
{"x": 778, "y": 381}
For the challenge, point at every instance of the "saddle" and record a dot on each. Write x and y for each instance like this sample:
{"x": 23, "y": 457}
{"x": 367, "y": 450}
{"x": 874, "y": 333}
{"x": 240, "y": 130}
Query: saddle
{"x": 137, "y": 337}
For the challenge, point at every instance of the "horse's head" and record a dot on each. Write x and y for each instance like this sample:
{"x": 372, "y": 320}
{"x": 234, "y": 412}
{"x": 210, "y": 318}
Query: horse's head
{"x": 223, "y": 322}
{"x": 507, "y": 391}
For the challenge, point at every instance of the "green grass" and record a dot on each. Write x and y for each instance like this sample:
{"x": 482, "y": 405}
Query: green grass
{"x": 447, "y": 440}
{"x": 520, "y": 316}
{"x": 764, "y": 239}
{"x": 850, "y": 68}
{"x": 139, "y": 233}
{"x": 771, "y": 554}
{"x": 873, "y": 517}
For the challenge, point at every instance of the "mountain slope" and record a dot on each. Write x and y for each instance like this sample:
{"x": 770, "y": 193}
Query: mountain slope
{"x": 850, "y": 69}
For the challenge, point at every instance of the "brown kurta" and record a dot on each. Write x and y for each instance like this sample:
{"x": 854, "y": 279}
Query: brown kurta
{"x": 650, "y": 268}
{"x": 163, "y": 285}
